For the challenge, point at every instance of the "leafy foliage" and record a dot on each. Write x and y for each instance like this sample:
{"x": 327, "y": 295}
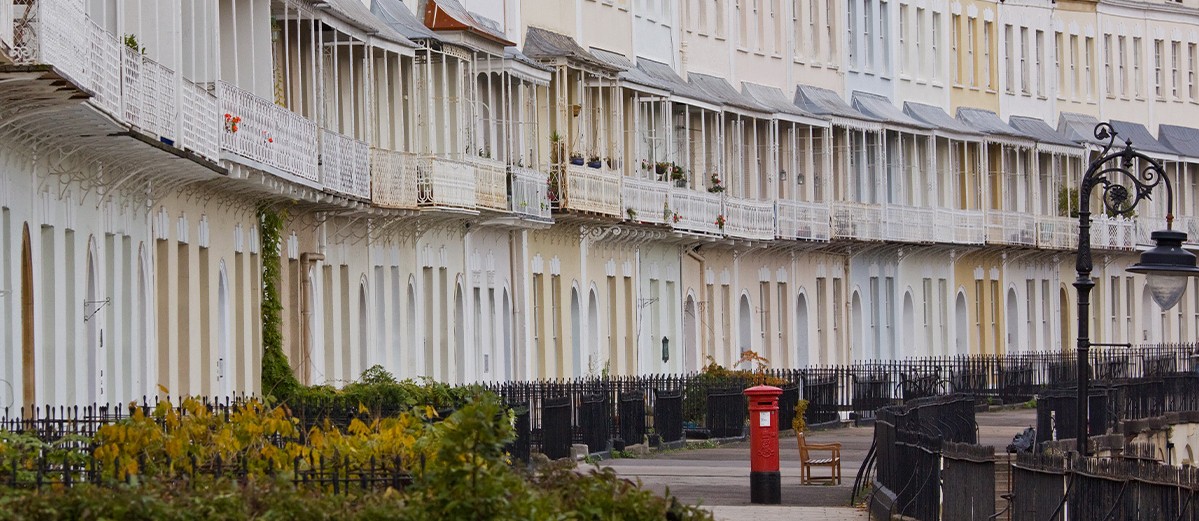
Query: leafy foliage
{"x": 277, "y": 377}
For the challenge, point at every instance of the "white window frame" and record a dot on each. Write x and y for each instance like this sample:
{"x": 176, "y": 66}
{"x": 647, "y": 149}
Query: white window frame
{"x": 1109, "y": 78}
{"x": 1009, "y": 52}
{"x": 1039, "y": 53}
{"x": 1025, "y": 80}
{"x": 1159, "y": 78}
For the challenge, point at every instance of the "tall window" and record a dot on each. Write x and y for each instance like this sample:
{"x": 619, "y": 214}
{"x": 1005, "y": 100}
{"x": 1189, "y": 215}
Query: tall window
{"x": 955, "y": 22}
{"x": 1025, "y": 77}
{"x": 918, "y": 37}
{"x": 1175, "y": 68}
{"x": 1040, "y": 57}
{"x": 813, "y": 33}
{"x": 1074, "y": 65}
{"x": 1137, "y": 53}
{"x": 971, "y": 65}
{"x": 903, "y": 39}
{"x": 1158, "y": 64}
{"x": 797, "y": 28}
{"x": 884, "y": 27}
{"x": 1109, "y": 79}
{"x": 986, "y": 65}
{"x": 1009, "y": 53}
{"x": 851, "y": 34}
{"x": 1191, "y": 66}
{"x": 867, "y": 25}
{"x": 1121, "y": 73}
{"x": 936, "y": 44}
{"x": 830, "y": 31}
{"x": 1089, "y": 62}
{"x": 720, "y": 21}
{"x": 743, "y": 29}
{"x": 1058, "y": 48}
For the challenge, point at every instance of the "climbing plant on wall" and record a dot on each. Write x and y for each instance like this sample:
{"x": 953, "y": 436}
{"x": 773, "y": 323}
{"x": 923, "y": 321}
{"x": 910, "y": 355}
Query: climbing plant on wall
{"x": 277, "y": 377}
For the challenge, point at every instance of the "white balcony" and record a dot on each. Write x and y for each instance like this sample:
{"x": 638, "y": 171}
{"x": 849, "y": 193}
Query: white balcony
{"x": 200, "y": 129}
{"x": 591, "y": 190}
{"x": 393, "y": 178}
{"x": 491, "y": 183}
{"x": 267, "y": 135}
{"x": 59, "y": 33}
{"x": 959, "y": 227}
{"x": 858, "y": 221}
{"x": 345, "y": 165}
{"x": 1057, "y": 233}
{"x": 648, "y": 201}
{"x": 909, "y": 223}
{"x": 445, "y": 183}
{"x": 529, "y": 199}
{"x": 1011, "y": 228}
{"x": 749, "y": 219}
{"x": 697, "y": 211}
{"x": 148, "y": 95}
{"x": 803, "y": 221}
{"x": 1120, "y": 233}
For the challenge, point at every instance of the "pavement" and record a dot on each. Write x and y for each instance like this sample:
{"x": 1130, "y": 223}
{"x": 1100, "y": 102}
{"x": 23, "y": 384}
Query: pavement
{"x": 717, "y": 477}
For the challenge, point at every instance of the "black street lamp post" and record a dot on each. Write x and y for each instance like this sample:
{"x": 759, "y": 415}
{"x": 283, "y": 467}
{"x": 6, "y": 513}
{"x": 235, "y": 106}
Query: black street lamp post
{"x": 1167, "y": 267}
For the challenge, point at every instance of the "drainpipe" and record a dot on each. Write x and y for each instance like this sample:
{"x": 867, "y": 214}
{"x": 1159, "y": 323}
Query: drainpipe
{"x": 307, "y": 259}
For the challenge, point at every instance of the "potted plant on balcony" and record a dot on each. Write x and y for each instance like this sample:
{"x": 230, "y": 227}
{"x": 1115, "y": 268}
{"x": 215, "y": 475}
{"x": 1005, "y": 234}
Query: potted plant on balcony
{"x": 677, "y": 175}
{"x": 720, "y": 222}
{"x": 647, "y": 165}
{"x": 661, "y": 168}
{"x": 594, "y": 161}
{"x": 714, "y": 184}
{"x": 555, "y": 147}
{"x": 631, "y": 213}
{"x": 576, "y": 159}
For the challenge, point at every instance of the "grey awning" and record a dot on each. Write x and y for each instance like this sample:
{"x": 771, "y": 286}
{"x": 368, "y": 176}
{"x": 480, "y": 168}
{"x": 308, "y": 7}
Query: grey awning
{"x": 1184, "y": 140}
{"x": 354, "y": 12}
{"x": 1040, "y": 131}
{"x": 1078, "y": 127}
{"x": 988, "y": 123}
{"x": 629, "y": 72}
{"x": 721, "y": 90}
{"x": 936, "y": 117}
{"x": 397, "y": 16}
{"x": 824, "y": 102}
{"x": 1141, "y": 138}
{"x": 541, "y": 44}
{"x": 880, "y": 108}
{"x": 666, "y": 75}
{"x": 774, "y": 99}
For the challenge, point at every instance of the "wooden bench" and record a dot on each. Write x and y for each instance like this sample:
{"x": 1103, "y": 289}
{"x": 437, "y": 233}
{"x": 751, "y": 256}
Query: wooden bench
{"x": 806, "y": 461}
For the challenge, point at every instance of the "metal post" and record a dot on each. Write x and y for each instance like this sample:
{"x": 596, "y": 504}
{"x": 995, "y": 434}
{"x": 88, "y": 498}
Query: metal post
{"x": 1083, "y": 284}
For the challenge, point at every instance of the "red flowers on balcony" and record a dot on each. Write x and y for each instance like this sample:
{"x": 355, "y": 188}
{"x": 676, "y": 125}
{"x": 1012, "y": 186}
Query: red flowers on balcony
{"x": 720, "y": 221}
{"x": 231, "y": 123}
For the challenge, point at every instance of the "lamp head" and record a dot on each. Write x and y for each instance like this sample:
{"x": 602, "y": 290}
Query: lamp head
{"x": 1167, "y": 267}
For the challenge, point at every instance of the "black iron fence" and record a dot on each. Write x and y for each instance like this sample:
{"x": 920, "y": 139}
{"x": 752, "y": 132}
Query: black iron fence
{"x": 1057, "y": 488}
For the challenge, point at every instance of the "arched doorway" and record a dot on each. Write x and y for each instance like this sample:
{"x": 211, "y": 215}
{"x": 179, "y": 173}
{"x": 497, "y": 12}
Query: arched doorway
{"x": 411, "y": 353}
{"x": 28, "y": 365}
{"x": 459, "y": 362}
{"x": 1013, "y": 322}
{"x": 745, "y": 327}
{"x": 223, "y": 386}
{"x": 364, "y": 356}
{"x": 143, "y": 361}
{"x": 690, "y": 349}
{"x": 856, "y": 324}
{"x": 593, "y": 328}
{"x": 576, "y": 334}
{"x": 1063, "y": 320}
{"x": 961, "y": 324}
{"x": 508, "y": 355}
{"x": 802, "y": 355}
{"x": 909, "y": 330}
{"x": 1151, "y": 322}
{"x": 96, "y": 391}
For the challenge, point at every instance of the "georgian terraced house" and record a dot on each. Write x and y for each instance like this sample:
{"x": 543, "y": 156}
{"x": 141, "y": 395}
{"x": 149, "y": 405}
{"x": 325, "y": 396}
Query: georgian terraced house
{"x": 519, "y": 189}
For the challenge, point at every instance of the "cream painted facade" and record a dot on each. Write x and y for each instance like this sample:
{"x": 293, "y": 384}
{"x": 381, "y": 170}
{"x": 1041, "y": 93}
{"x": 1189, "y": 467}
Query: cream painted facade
{"x": 479, "y": 190}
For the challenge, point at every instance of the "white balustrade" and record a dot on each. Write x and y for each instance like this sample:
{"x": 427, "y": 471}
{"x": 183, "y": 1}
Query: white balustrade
{"x": 698, "y": 211}
{"x": 859, "y": 221}
{"x": 963, "y": 227}
{"x": 149, "y": 93}
{"x": 59, "y": 33}
{"x": 6, "y": 24}
{"x": 594, "y": 190}
{"x": 748, "y": 219}
{"x": 345, "y": 164}
{"x": 1057, "y": 233}
{"x": 104, "y": 69}
{"x": 393, "y": 178}
{"x": 1187, "y": 224}
{"x": 1012, "y": 228}
{"x": 908, "y": 223}
{"x": 491, "y": 183}
{"x": 200, "y": 130}
{"x": 648, "y": 201}
{"x": 445, "y": 183}
{"x": 1118, "y": 233}
{"x": 267, "y": 133}
{"x": 803, "y": 220}
{"x": 529, "y": 194}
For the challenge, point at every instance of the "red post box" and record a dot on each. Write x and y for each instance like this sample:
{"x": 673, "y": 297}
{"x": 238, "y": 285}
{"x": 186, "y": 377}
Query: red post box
{"x": 764, "y": 480}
